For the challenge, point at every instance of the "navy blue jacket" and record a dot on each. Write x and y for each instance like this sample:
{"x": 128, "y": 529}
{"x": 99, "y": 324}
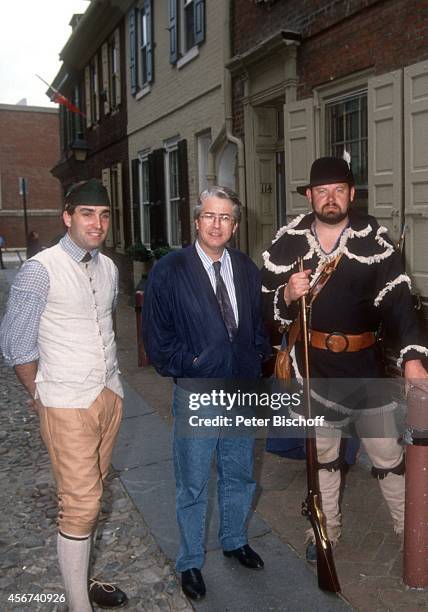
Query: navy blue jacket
{"x": 182, "y": 320}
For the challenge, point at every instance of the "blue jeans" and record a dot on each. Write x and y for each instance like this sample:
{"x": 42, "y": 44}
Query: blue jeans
{"x": 235, "y": 486}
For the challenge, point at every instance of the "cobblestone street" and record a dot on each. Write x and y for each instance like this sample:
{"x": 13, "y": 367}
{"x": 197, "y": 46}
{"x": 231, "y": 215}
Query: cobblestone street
{"x": 125, "y": 552}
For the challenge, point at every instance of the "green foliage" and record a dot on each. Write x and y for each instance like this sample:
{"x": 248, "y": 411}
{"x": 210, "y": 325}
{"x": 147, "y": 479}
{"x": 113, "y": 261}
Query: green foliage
{"x": 139, "y": 252}
{"x": 161, "y": 251}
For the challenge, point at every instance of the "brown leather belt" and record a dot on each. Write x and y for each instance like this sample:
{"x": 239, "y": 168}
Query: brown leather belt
{"x": 336, "y": 342}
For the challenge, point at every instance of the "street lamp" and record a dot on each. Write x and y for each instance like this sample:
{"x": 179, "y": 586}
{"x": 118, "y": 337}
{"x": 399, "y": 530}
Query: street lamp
{"x": 79, "y": 147}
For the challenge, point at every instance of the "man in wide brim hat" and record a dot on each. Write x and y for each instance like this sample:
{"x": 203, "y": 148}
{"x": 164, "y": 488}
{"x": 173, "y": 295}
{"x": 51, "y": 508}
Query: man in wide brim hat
{"x": 328, "y": 171}
{"x": 368, "y": 288}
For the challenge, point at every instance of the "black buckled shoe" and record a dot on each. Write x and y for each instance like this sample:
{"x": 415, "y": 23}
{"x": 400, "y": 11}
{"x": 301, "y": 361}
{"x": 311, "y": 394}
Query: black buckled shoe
{"x": 193, "y": 584}
{"x": 246, "y": 557}
{"x": 106, "y": 595}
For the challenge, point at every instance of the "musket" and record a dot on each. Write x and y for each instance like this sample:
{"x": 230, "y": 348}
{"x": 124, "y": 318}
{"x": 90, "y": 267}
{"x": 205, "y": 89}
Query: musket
{"x": 327, "y": 577}
{"x": 400, "y": 243}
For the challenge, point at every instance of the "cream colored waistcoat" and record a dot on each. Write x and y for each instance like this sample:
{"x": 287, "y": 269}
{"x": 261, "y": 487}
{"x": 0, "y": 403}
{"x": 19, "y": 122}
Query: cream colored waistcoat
{"x": 77, "y": 349}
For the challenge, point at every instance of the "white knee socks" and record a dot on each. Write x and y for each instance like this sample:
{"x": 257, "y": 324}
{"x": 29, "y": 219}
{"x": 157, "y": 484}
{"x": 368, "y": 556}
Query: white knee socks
{"x": 73, "y": 556}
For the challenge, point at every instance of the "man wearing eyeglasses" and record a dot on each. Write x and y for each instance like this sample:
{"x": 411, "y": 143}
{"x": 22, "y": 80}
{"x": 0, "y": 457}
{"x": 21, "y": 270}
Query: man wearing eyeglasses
{"x": 202, "y": 319}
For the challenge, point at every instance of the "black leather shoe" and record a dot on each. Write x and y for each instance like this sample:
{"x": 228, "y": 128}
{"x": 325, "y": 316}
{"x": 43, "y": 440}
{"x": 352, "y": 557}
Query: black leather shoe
{"x": 311, "y": 552}
{"x": 106, "y": 595}
{"x": 193, "y": 584}
{"x": 246, "y": 557}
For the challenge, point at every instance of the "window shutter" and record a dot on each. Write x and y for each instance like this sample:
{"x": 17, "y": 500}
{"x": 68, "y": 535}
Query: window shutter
{"x": 133, "y": 49}
{"x": 416, "y": 171}
{"x": 118, "y": 67}
{"x": 385, "y": 136}
{"x": 183, "y": 187}
{"x": 158, "y": 230}
{"x": 199, "y": 20}
{"x": 78, "y": 127}
{"x": 136, "y": 213}
{"x": 148, "y": 9}
{"x": 105, "y": 77}
{"x": 106, "y": 181}
{"x": 299, "y": 151}
{"x": 173, "y": 31}
{"x": 88, "y": 96}
{"x": 62, "y": 135}
{"x": 120, "y": 239}
{"x": 97, "y": 89}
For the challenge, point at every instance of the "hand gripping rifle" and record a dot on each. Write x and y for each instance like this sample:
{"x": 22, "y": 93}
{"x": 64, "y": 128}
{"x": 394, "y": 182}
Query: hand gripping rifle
{"x": 311, "y": 507}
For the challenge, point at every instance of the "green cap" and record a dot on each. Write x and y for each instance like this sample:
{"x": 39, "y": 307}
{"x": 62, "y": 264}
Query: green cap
{"x": 91, "y": 192}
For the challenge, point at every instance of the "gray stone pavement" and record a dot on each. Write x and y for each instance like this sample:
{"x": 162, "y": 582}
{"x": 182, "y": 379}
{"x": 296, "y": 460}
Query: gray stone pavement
{"x": 125, "y": 550}
{"x": 368, "y": 558}
{"x": 139, "y": 537}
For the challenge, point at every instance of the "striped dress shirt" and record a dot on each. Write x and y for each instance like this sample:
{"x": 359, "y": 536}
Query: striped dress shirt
{"x": 226, "y": 272}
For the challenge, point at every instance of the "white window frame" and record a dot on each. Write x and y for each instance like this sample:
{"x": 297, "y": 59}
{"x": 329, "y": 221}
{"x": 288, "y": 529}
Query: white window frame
{"x": 338, "y": 91}
{"x": 142, "y": 46}
{"x": 184, "y": 7}
{"x": 359, "y": 94}
{"x": 114, "y": 68}
{"x": 186, "y": 54}
{"x": 117, "y": 207}
{"x": 94, "y": 90}
{"x": 143, "y": 158}
{"x": 171, "y": 146}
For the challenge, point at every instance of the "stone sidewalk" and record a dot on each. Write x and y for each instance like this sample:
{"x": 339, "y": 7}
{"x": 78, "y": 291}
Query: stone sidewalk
{"x": 368, "y": 558}
{"x": 125, "y": 550}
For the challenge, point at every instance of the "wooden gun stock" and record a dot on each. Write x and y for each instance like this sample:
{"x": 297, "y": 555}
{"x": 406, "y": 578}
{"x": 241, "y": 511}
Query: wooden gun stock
{"x": 327, "y": 577}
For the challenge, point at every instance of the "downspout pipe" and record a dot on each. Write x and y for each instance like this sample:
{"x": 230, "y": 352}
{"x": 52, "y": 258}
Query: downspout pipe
{"x": 228, "y": 131}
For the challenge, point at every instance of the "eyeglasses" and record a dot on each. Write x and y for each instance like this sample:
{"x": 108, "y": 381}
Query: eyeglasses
{"x": 211, "y": 217}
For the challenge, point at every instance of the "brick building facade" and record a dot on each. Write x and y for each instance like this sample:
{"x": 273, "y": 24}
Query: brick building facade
{"x": 93, "y": 77}
{"x": 179, "y": 136}
{"x": 317, "y": 77}
{"x": 29, "y": 148}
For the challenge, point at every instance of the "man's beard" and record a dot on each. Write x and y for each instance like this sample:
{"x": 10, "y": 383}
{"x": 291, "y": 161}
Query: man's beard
{"x": 333, "y": 217}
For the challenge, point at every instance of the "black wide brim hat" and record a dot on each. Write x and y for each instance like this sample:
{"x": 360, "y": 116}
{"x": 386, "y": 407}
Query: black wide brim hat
{"x": 326, "y": 171}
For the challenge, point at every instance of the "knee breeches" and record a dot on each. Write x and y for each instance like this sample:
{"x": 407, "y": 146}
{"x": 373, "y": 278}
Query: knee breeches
{"x": 80, "y": 444}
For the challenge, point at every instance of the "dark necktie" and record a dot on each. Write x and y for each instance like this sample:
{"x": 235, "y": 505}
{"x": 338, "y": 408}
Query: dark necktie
{"x": 224, "y": 301}
{"x": 86, "y": 258}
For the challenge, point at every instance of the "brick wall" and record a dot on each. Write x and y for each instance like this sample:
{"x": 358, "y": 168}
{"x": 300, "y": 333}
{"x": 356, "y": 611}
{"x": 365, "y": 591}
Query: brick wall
{"x": 385, "y": 36}
{"x": 29, "y": 148}
{"x": 338, "y": 36}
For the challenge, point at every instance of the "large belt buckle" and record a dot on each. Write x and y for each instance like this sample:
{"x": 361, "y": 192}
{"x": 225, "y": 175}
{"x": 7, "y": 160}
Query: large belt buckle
{"x": 331, "y": 340}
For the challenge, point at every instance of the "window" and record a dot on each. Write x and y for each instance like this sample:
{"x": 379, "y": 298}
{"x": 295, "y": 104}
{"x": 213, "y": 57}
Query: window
{"x": 186, "y": 26}
{"x": 346, "y": 129}
{"x": 110, "y": 64}
{"x": 70, "y": 122}
{"x": 77, "y": 101}
{"x": 92, "y": 92}
{"x": 145, "y": 200}
{"x": 144, "y": 42}
{"x": 94, "y": 89}
{"x": 112, "y": 180}
{"x": 173, "y": 197}
{"x": 114, "y": 70}
{"x": 140, "y": 26}
{"x": 188, "y": 21}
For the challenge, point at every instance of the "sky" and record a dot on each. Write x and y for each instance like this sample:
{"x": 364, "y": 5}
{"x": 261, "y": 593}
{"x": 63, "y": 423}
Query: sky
{"x": 32, "y": 34}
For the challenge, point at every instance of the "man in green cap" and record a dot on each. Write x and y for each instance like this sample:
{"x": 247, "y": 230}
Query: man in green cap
{"x": 58, "y": 335}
